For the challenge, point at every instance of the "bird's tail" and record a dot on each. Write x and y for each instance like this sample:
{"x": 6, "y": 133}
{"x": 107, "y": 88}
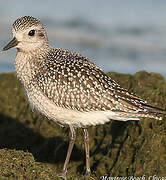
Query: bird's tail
{"x": 131, "y": 107}
{"x": 147, "y": 111}
{"x": 152, "y": 112}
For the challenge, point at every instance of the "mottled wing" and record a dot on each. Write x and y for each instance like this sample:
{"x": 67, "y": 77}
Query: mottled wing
{"x": 72, "y": 81}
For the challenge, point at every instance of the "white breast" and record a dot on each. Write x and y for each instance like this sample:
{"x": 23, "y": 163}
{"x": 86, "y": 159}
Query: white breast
{"x": 22, "y": 66}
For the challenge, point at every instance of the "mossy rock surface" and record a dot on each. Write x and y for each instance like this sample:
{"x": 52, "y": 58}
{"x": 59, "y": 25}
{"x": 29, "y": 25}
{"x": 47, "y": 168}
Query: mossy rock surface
{"x": 32, "y": 147}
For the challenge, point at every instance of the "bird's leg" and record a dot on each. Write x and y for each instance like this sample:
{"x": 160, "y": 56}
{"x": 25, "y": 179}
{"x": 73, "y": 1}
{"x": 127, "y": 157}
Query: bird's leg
{"x": 86, "y": 141}
{"x": 72, "y": 136}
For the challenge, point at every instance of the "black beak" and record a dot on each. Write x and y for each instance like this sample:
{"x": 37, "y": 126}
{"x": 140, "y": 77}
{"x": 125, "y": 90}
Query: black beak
{"x": 11, "y": 44}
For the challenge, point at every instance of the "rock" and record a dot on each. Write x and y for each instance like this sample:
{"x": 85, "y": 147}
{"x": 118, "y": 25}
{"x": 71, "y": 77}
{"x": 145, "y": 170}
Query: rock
{"x": 34, "y": 147}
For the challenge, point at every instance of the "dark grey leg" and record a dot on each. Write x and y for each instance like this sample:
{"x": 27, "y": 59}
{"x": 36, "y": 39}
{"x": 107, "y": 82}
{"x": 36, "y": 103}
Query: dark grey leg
{"x": 86, "y": 141}
{"x": 72, "y": 136}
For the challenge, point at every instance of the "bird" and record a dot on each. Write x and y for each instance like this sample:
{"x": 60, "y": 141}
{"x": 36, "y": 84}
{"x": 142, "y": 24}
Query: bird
{"x": 68, "y": 88}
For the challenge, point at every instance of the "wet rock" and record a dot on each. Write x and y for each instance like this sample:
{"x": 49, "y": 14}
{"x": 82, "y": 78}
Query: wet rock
{"x": 34, "y": 147}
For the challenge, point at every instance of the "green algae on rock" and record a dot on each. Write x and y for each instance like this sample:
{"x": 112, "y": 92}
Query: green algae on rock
{"x": 39, "y": 146}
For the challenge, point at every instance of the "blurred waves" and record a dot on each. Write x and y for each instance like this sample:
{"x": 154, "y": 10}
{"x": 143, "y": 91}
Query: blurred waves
{"x": 122, "y": 36}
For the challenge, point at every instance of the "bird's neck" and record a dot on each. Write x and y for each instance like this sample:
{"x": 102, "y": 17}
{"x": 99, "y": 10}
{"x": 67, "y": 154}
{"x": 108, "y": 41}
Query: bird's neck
{"x": 28, "y": 63}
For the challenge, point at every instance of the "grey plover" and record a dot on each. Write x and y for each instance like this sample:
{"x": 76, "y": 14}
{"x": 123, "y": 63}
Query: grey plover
{"x": 68, "y": 88}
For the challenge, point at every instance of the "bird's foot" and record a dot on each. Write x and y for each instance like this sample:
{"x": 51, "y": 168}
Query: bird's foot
{"x": 88, "y": 176}
{"x": 87, "y": 173}
{"x": 62, "y": 175}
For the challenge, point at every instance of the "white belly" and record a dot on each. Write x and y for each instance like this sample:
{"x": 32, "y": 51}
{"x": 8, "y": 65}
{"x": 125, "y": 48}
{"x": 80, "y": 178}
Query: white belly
{"x": 66, "y": 117}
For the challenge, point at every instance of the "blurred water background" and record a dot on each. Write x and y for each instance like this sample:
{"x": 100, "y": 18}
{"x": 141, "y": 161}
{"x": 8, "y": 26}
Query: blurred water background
{"x": 118, "y": 35}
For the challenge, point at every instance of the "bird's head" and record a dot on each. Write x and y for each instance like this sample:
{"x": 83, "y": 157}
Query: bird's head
{"x": 28, "y": 34}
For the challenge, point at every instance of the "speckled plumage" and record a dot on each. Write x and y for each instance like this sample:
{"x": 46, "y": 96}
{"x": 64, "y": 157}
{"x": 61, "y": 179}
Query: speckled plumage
{"x": 71, "y": 81}
{"x": 25, "y": 22}
{"x": 68, "y": 88}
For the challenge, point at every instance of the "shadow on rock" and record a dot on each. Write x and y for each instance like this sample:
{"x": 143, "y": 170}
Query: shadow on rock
{"x": 119, "y": 148}
{"x": 15, "y": 135}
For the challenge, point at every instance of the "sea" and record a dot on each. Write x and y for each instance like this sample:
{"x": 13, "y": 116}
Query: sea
{"x": 124, "y": 36}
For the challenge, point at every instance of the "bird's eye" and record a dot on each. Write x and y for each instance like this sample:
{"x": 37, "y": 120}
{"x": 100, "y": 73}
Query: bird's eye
{"x": 31, "y": 32}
